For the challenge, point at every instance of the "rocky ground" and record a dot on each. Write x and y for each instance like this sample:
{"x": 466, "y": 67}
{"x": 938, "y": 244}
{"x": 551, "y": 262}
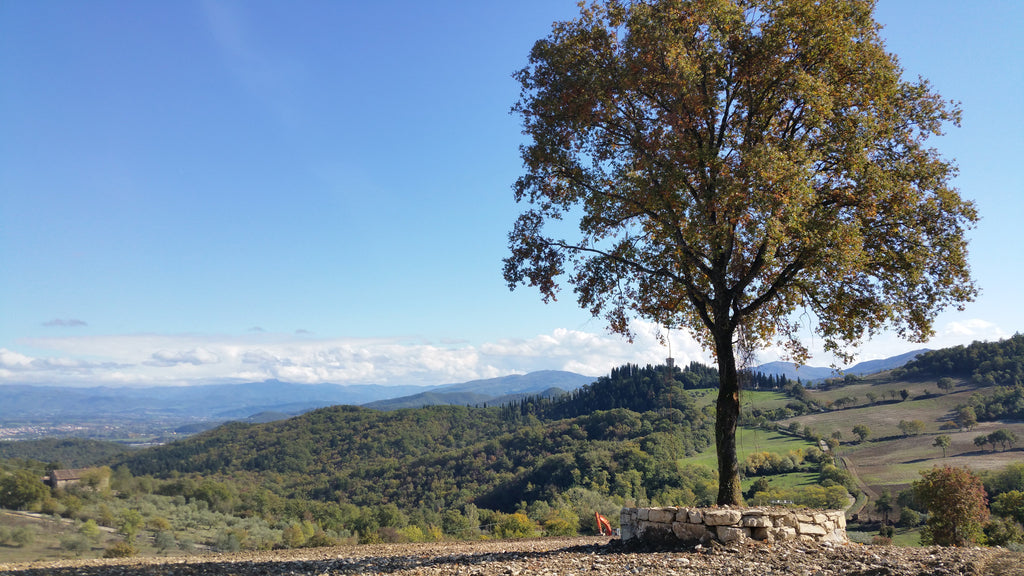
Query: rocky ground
{"x": 561, "y": 556}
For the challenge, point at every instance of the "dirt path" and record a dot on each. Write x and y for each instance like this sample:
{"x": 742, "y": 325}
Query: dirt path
{"x": 852, "y": 469}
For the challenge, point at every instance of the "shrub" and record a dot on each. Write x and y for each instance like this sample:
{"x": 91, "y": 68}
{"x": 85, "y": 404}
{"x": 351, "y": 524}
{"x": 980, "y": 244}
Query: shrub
{"x": 910, "y": 518}
{"x": 516, "y": 525}
{"x": 292, "y": 536}
{"x": 1003, "y": 531}
{"x": 120, "y": 550}
{"x": 561, "y": 522}
{"x": 22, "y": 536}
{"x": 1010, "y": 504}
{"x": 75, "y": 543}
{"x": 164, "y": 540}
{"x": 228, "y": 542}
{"x": 956, "y": 499}
{"x": 320, "y": 539}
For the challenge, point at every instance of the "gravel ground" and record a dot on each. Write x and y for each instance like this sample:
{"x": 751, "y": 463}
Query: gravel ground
{"x": 559, "y": 556}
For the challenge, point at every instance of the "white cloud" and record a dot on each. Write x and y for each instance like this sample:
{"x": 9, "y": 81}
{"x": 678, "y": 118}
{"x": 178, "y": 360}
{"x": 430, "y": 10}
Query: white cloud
{"x": 146, "y": 359}
{"x": 11, "y": 360}
{"x": 973, "y": 329}
{"x": 195, "y": 356}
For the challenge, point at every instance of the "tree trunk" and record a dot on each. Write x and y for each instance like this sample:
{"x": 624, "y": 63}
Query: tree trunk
{"x": 727, "y": 418}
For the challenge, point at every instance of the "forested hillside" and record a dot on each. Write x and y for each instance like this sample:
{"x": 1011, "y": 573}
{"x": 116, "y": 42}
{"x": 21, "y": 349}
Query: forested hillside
{"x": 64, "y": 452}
{"x": 983, "y": 363}
{"x": 619, "y": 437}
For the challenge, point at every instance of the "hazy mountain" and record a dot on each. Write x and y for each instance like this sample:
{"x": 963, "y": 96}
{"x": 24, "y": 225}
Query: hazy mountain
{"x": 813, "y": 373}
{"x": 213, "y": 402}
{"x": 492, "y": 391}
{"x": 222, "y": 402}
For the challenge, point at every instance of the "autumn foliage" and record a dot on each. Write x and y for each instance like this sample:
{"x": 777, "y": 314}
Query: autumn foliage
{"x": 731, "y": 164}
{"x": 957, "y": 504}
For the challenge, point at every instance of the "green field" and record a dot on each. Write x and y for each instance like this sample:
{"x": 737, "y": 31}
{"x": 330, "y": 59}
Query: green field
{"x": 889, "y": 460}
{"x": 750, "y": 440}
{"x": 764, "y": 399}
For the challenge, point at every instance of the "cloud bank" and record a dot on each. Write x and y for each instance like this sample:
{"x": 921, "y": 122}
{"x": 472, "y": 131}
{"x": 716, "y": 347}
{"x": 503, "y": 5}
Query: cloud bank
{"x": 153, "y": 360}
{"x": 147, "y": 360}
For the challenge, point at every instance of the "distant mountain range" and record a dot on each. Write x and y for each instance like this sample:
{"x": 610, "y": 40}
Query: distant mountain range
{"x": 258, "y": 401}
{"x": 272, "y": 399}
{"x": 815, "y": 374}
{"x": 494, "y": 391}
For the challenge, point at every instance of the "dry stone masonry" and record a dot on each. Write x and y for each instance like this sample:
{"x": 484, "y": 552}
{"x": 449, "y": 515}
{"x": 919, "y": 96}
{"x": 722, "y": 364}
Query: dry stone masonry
{"x": 691, "y": 525}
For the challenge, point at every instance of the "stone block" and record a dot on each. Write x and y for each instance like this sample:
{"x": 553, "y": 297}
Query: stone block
{"x": 756, "y": 521}
{"x": 626, "y": 532}
{"x": 810, "y": 529}
{"x": 689, "y": 532}
{"x": 806, "y": 518}
{"x": 722, "y": 517}
{"x": 641, "y": 513}
{"x": 820, "y": 518}
{"x": 759, "y": 533}
{"x": 656, "y": 532}
{"x": 696, "y": 517}
{"x": 787, "y": 520}
{"x": 836, "y": 537}
{"x": 728, "y": 534}
{"x": 784, "y": 533}
{"x": 662, "y": 515}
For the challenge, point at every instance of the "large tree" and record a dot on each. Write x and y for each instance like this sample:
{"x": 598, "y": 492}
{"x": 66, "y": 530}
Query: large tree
{"x": 741, "y": 169}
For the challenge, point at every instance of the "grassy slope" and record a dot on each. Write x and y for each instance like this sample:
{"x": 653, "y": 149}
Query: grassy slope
{"x": 890, "y": 461}
{"x": 46, "y": 535}
{"x": 887, "y": 460}
{"x": 750, "y": 440}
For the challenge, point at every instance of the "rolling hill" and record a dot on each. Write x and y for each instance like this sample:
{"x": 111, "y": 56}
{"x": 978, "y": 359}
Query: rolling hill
{"x": 814, "y": 373}
{"x": 618, "y": 431}
{"x": 493, "y": 391}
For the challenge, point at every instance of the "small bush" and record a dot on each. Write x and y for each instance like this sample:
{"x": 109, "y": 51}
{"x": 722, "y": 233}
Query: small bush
{"x": 75, "y": 543}
{"x": 319, "y": 540}
{"x": 164, "y": 540}
{"x": 910, "y": 518}
{"x": 516, "y": 525}
{"x": 22, "y": 536}
{"x": 1003, "y": 531}
{"x": 120, "y": 550}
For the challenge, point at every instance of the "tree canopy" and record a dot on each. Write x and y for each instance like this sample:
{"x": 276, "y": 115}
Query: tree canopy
{"x": 730, "y": 164}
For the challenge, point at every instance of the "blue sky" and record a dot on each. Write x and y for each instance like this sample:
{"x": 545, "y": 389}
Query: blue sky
{"x": 321, "y": 191}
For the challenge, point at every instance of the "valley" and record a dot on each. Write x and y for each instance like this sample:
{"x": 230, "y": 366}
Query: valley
{"x": 536, "y": 464}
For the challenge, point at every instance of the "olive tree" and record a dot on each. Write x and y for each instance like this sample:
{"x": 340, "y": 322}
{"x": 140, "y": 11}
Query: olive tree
{"x": 733, "y": 166}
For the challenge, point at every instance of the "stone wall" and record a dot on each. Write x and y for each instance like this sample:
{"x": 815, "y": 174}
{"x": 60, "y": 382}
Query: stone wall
{"x": 691, "y": 525}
